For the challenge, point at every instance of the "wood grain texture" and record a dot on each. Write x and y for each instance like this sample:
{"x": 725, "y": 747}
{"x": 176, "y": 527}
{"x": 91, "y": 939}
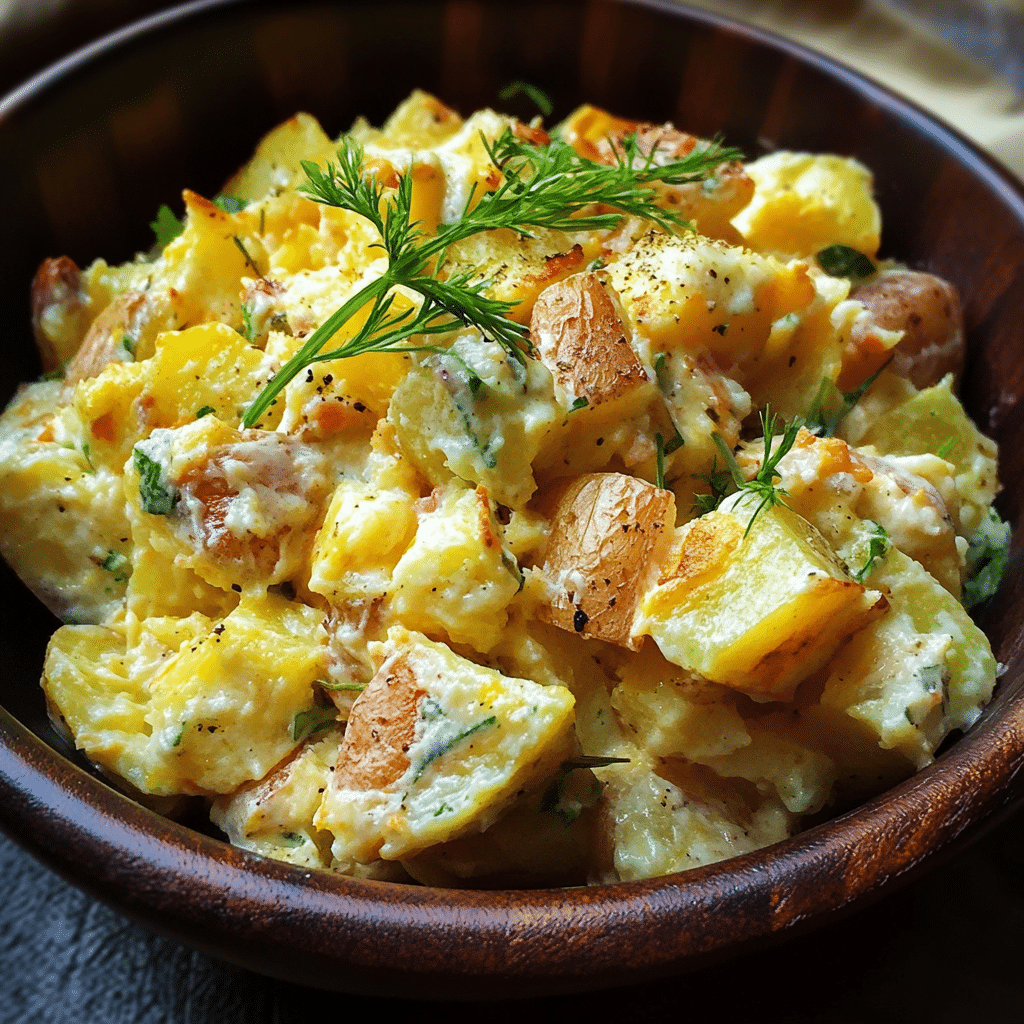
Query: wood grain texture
{"x": 80, "y": 176}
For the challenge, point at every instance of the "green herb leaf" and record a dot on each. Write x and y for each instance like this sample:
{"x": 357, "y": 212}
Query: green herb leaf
{"x": 762, "y": 486}
{"x": 341, "y": 687}
{"x": 155, "y": 498}
{"x": 167, "y": 226}
{"x": 987, "y": 555}
{"x": 580, "y": 403}
{"x": 117, "y": 563}
{"x": 592, "y": 761}
{"x": 442, "y": 748}
{"x": 230, "y": 204}
{"x": 309, "y": 723}
{"x": 549, "y": 186}
{"x": 879, "y": 545}
{"x": 204, "y": 410}
{"x": 844, "y": 261}
{"x": 830, "y": 406}
{"x": 947, "y": 446}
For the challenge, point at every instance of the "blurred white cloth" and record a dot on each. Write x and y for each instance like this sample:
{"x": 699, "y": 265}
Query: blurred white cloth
{"x": 902, "y": 52}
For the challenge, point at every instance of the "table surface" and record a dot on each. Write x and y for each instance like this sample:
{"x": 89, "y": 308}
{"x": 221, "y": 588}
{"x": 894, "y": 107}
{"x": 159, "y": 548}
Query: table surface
{"x": 946, "y": 948}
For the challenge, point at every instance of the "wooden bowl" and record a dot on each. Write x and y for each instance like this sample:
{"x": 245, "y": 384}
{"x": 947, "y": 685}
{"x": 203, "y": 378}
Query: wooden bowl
{"x": 89, "y": 150}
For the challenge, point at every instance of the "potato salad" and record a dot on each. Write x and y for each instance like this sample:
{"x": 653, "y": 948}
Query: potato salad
{"x": 472, "y": 503}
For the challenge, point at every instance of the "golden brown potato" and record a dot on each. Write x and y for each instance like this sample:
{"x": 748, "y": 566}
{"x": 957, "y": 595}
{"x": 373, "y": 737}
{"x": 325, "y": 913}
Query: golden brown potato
{"x": 105, "y": 338}
{"x": 380, "y": 729}
{"x": 928, "y": 312}
{"x": 59, "y": 311}
{"x": 610, "y": 533}
{"x": 580, "y": 337}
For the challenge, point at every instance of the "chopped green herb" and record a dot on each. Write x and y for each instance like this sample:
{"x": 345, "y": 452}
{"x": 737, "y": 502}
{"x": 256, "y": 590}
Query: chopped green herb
{"x": 720, "y": 482}
{"x": 878, "y": 547}
{"x": 309, "y": 723}
{"x": 444, "y": 807}
{"x": 176, "y": 742}
{"x": 229, "y": 204}
{"x": 987, "y": 554}
{"x": 592, "y": 761}
{"x": 580, "y": 403}
{"x": 830, "y": 406}
{"x": 87, "y": 452}
{"x": 762, "y": 485}
{"x": 167, "y": 226}
{"x": 442, "y": 747}
{"x": 844, "y": 261}
{"x": 659, "y": 472}
{"x": 947, "y": 446}
{"x": 117, "y": 563}
{"x": 341, "y": 687}
{"x": 249, "y": 261}
{"x": 292, "y": 839}
{"x": 155, "y": 498}
{"x": 250, "y": 331}
{"x": 204, "y": 410}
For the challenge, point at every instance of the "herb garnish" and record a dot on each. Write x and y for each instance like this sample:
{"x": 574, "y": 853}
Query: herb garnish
{"x": 825, "y": 414}
{"x": 762, "y": 485}
{"x": 167, "y": 226}
{"x": 987, "y": 555}
{"x": 844, "y": 261}
{"x": 538, "y": 97}
{"x": 155, "y": 498}
{"x": 878, "y": 547}
{"x": 308, "y": 723}
{"x": 549, "y": 186}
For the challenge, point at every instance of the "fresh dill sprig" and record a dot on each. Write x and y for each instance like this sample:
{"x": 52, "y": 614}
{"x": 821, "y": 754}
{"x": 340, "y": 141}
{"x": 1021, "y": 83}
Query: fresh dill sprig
{"x": 763, "y": 484}
{"x": 548, "y": 186}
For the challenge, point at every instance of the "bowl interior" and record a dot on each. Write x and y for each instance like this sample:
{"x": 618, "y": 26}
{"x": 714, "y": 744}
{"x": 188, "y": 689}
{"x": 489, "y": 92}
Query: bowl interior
{"x": 90, "y": 150}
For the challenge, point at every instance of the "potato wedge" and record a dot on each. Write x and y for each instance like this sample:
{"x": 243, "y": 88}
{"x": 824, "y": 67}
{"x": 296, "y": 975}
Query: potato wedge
{"x": 609, "y": 534}
{"x": 758, "y": 610}
{"x": 582, "y": 340}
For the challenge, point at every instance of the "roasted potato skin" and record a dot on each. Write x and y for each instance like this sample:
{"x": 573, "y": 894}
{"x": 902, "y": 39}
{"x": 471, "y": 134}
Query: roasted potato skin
{"x": 581, "y": 338}
{"x": 609, "y": 533}
{"x": 928, "y": 311}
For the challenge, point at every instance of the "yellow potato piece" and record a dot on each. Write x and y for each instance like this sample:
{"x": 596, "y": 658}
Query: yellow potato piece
{"x": 760, "y": 610}
{"x": 435, "y": 747}
{"x": 804, "y": 202}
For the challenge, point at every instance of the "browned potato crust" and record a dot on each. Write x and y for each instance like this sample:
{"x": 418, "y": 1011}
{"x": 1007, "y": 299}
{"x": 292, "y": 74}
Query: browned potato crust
{"x": 581, "y": 339}
{"x": 927, "y": 309}
{"x": 609, "y": 534}
{"x": 380, "y": 729}
{"x": 104, "y": 339}
{"x": 56, "y": 283}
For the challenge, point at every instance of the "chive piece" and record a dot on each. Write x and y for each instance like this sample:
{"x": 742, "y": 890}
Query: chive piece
{"x": 229, "y": 204}
{"x": 314, "y": 720}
